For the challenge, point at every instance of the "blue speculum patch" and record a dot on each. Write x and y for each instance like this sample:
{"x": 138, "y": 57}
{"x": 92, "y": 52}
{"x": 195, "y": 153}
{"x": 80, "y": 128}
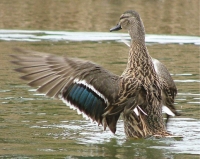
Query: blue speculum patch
{"x": 86, "y": 100}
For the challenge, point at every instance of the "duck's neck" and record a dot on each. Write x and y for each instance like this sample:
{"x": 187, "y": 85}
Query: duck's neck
{"x": 139, "y": 57}
{"x": 139, "y": 60}
{"x": 137, "y": 31}
{"x": 140, "y": 66}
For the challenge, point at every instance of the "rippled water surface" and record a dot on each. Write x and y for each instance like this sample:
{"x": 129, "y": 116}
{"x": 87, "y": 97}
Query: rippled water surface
{"x": 35, "y": 126}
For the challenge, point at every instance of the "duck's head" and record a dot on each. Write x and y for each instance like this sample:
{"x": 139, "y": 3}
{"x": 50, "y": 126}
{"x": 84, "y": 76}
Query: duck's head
{"x": 131, "y": 21}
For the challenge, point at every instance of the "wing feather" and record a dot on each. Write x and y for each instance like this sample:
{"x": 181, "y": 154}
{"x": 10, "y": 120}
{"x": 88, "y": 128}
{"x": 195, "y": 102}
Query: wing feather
{"x": 82, "y": 84}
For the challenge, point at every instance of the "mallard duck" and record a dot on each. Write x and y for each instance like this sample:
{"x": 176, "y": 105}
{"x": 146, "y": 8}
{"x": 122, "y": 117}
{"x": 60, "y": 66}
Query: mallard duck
{"x": 158, "y": 85}
{"x": 99, "y": 94}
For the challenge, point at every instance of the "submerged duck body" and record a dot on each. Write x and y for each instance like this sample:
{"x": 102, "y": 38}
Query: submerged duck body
{"x": 99, "y": 94}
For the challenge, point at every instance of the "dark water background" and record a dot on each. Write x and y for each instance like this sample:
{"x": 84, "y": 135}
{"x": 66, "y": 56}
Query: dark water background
{"x": 34, "y": 126}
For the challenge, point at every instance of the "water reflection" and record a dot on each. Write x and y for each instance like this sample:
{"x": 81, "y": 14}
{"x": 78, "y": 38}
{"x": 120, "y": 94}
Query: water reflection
{"x": 84, "y": 133}
{"x": 159, "y": 16}
{"x": 34, "y": 126}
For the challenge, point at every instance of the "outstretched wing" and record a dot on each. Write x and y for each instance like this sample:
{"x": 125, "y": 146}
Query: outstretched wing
{"x": 169, "y": 89}
{"x": 80, "y": 84}
{"x": 163, "y": 73}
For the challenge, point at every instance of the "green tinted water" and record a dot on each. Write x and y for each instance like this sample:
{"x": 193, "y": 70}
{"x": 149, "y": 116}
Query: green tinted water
{"x": 34, "y": 126}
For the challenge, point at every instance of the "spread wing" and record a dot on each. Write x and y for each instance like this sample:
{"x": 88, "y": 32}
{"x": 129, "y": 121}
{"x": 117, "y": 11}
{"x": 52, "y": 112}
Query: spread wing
{"x": 163, "y": 73}
{"x": 169, "y": 89}
{"x": 80, "y": 84}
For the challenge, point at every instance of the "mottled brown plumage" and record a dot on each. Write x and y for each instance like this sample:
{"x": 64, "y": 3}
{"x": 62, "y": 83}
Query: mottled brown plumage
{"x": 169, "y": 89}
{"x": 156, "y": 85}
{"x": 100, "y": 94}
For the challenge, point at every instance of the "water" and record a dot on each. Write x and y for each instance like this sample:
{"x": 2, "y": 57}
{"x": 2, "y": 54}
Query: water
{"x": 34, "y": 126}
{"x": 39, "y": 35}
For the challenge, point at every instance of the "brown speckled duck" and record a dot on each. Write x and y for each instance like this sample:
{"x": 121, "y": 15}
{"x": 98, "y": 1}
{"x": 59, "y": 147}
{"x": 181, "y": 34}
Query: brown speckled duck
{"x": 158, "y": 87}
{"x": 101, "y": 95}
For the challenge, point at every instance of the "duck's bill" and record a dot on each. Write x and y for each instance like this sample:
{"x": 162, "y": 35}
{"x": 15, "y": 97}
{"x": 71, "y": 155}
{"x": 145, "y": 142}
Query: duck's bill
{"x": 117, "y": 27}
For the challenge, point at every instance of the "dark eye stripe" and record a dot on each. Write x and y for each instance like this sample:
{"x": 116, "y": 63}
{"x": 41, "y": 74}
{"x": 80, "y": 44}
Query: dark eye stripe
{"x": 123, "y": 17}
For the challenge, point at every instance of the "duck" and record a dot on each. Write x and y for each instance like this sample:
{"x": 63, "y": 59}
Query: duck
{"x": 136, "y": 124}
{"x": 168, "y": 106}
{"x": 99, "y": 94}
